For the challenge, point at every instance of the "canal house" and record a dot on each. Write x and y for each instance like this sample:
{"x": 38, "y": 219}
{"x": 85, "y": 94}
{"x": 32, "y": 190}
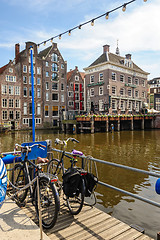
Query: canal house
{"x": 115, "y": 84}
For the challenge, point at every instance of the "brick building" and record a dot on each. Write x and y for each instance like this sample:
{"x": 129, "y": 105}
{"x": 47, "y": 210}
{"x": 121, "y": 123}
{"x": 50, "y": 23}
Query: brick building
{"x": 75, "y": 89}
{"x": 54, "y": 85}
{"x": 115, "y": 84}
{"x": 154, "y": 93}
{"x": 10, "y": 92}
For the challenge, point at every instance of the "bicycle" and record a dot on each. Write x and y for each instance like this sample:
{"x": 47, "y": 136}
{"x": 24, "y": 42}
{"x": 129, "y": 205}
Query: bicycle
{"x": 21, "y": 179}
{"x": 56, "y": 168}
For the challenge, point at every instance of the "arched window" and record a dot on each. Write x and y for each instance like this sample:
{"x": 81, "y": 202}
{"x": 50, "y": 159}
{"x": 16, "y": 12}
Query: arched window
{"x": 54, "y": 57}
{"x": 54, "y": 67}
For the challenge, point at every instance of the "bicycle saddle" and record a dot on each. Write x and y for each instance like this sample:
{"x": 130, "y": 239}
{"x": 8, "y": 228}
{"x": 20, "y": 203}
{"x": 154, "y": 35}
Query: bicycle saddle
{"x": 42, "y": 160}
{"x": 75, "y": 152}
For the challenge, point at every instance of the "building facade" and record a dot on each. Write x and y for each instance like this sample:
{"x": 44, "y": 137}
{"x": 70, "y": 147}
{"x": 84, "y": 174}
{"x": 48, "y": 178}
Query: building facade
{"x": 54, "y": 85}
{"x": 75, "y": 89}
{"x": 154, "y": 93}
{"x": 115, "y": 84}
{"x": 10, "y": 92}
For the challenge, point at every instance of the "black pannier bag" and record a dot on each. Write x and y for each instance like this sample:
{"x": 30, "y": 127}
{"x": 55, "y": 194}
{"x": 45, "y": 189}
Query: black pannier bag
{"x": 90, "y": 182}
{"x": 71, "y": 182}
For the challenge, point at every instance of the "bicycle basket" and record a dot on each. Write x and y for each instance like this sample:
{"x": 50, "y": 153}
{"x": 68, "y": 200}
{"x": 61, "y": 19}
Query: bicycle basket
{"x": 71, "y": 180}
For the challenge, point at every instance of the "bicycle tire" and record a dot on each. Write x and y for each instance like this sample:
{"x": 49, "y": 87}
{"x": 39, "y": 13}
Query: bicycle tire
{"x": 49, "y": 200}
{"x": 54, "y": 170}
{"x": 19, "y": 180}
{"x": 75, "y": 203}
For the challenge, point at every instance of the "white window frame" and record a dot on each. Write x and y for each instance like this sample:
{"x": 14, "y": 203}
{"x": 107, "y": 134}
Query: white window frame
{"x": 92, "y": 79}
{"x": 92, "y": 92}
{"x": 101, "y": 90}
{"x": 100, "y": 77}
{"x": 114, "y": 76}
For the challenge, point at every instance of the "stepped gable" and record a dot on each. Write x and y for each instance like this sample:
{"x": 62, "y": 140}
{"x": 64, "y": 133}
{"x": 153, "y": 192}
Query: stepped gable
{"x": 44, "y": 52}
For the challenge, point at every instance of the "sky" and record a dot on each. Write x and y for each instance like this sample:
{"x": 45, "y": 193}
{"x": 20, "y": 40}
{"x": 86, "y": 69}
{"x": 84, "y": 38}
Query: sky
{"x": 137, "y": 30}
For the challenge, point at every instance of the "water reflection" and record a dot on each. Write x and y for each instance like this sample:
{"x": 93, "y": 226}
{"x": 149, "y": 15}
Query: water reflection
{"x": 139, "y": 149}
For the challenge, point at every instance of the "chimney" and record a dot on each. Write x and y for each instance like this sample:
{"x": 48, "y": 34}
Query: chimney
{"x": 17, "y": 47}
{"x": 128, "y": 56}
{"x": 106, "y": 48}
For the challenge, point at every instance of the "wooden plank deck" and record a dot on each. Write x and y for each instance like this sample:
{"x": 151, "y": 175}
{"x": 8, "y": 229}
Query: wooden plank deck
{"x": 90, "y": 223}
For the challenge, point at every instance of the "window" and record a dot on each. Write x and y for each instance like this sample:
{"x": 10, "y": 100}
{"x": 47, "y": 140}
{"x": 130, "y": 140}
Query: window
{"x": 136, "y": 93}
{"x": 24, "y": 79}
{"x": 30, "y": 108}
{"x": 54, "y": 76}
{"x": 76, "y": 87}
{"x": 17, "y": 115}
{"x": 10, "y": 103}
{"x": 101, "y": 106}
{"x": 38, "y": 120}
{"x": 130, "y": 106}
{"x": 101, "y": 90}
{"x": 122, "y": 105}
{"x": 38, "y": 92}
{"x": 71, "y": 85}
{"x": 92, "y": 92}
{"x": 101, "y": 77}
{"x": 122, "y": 91}
{"x": 62, "y": 66}
{"x": 77, "y": 106}
{"x": 54, "y": 86}
{"x": 17, "y": 103}
{"x": 17, "y": 90}
{"x": 54, "y": 111}
{"x": 25, "y": 91}
{"x": 114, "y": 90}
{"x": 10, "y": 78}
{"x": 54, "y": 67}
{"x": 47, "y": 96}
{"x": 136, "y": 81}
{"x": 62, "y": 87}
{"x": 62, "y": 98}
{"x": 46, "y": 112}
{"x": 47, "y": 74}
{"x": 137, "y": 106}
{"x": 10, "y": 90}
{"x": 143, "y": 83}
{"x": 30, "y": 80}
{"x": 143, "y": 94}
{"x": 70, "y": 94}
{"x": 4, "y": 115}
{"x": 38, "y": 109}
{"x": 4, "y": 89}
{"x": 121, "y": 78}
{"x": 129, "y": 93}
{"x": 70, "y": 103}
{"x": 30, "y": 92}
{"x": 38, "y": 70}
{"x": 92, "y": 79}
{"x": 54, "y": 57}
{"x": 113, "y": 76}
{"x": 11, "y": 70}
{"x": 11, "y": 116}
{"x": 129, "y": 80}
{"x": 46, "y": 64}
{"x": 24, "y": 68}
{"x": 25, "y": 108}
{"x": 76, "y": 96}
{"x": 47, "y": 85}
{"x": 114, "y": 104}
{"x": 4, "y": 102}
{"x": 55, "y": 97}
{"x": 30, "y": 69}
{"x": 38, "y": 81}
{"x": 25, "y": 121}
{"x": 76, "y": 78}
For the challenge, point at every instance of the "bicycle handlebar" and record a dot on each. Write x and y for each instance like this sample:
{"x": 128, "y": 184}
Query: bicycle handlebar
{"x": 28, "y": 148}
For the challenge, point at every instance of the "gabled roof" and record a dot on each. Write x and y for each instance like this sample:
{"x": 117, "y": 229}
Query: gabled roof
{"x": 3, "y": 68}
{"x": 69, "y": 74}
{"x": 44, "y": 52}
{"x": 115, "y": 59}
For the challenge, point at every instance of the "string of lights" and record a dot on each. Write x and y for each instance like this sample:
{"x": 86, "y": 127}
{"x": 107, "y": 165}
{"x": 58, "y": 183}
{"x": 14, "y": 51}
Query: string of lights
{"x": 106, "y": 14}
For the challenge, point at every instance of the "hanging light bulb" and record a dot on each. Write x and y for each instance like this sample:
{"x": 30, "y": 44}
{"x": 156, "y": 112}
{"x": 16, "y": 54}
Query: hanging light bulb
{"x": 51, "y": 40}
{"x": 69, "y": 32}
{"x": 80, "y": 26}
{"x": 92, "y": 22}
{"x": 60, "y": 37}
{"x": 38, "y": 45}
{"x": 44, "y": 43}
{"x": 124, "y": 8}
{"x": 145, "y": 0}
{"x": 107, "y": 15}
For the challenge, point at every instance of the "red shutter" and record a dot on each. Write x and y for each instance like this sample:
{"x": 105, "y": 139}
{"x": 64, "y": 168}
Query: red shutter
{"x": 80, "y": 96}
{"x": 80, "y": 105}
{"x": 74, "y": 87}
{"x": 80, "y": 86}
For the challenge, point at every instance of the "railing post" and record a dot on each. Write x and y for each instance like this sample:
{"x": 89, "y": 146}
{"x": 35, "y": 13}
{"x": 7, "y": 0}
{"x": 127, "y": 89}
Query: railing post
{"x": 92, "y": 124}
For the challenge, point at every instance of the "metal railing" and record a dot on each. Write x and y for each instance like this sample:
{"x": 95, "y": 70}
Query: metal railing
{"x": 124, "y": 167}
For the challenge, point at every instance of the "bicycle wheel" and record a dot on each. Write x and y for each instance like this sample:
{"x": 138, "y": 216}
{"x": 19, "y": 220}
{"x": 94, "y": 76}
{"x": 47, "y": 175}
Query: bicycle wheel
{"x": 54, "y": 170}
{"x": 49, "y": 200}
{"x": 75, "y": 203}
{"x": 19, "y": 180}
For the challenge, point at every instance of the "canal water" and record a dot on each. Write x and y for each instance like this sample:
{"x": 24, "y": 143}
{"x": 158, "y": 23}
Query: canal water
{"x": 139, "y": 149}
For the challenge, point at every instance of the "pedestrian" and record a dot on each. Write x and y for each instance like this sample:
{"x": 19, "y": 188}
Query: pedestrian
{"x": 3, "y": 182}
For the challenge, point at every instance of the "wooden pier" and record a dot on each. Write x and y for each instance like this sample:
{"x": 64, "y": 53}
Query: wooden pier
{"x": 90, "y": 223}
